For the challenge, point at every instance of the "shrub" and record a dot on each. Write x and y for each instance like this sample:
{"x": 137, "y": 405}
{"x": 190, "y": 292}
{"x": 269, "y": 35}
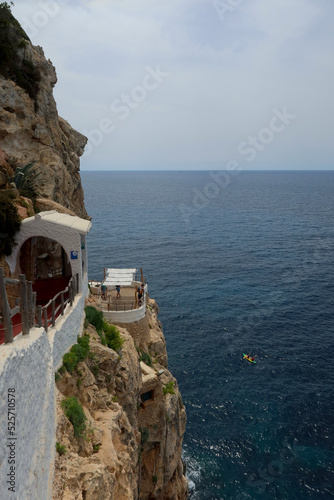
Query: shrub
{"x": 57, "y": 377}
{"x": 81, "y": 349}
{"x": 70, "y": 361}
{"x": 77, "y": 353}
{"x": 169, "y": 388}
{"x": 112, "y": 336}
{"x": 94, "y": 317}
{"x": 95, "y": 370}
{"x": 25, "y": 179}
{"x": 9, "y": 223}
{"x": 74, "y": 412}
{"x": 60, "y": 448}
{"x": 146, "y": 358}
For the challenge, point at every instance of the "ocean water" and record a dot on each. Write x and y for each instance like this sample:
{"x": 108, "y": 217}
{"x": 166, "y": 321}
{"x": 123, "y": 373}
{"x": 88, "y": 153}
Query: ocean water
{"x": 246, "y": 265}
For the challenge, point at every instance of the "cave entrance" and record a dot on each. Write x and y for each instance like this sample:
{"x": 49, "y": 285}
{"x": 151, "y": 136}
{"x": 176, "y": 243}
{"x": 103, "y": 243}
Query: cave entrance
{"x": 46, "y": 264}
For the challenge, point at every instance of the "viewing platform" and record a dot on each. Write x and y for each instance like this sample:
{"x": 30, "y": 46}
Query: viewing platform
{"x": 122, "y": 294}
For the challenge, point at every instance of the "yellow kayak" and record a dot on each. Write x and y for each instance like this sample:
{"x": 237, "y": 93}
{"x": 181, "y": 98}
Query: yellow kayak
{"x": 245, "y": 356}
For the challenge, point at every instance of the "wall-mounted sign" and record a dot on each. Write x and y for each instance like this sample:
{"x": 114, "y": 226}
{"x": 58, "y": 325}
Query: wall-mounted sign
{"x": 82, "y": 246}
{"x": 74, "y": 255}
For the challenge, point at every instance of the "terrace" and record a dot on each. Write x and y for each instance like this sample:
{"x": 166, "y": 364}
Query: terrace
{"x": 127, "y": 306}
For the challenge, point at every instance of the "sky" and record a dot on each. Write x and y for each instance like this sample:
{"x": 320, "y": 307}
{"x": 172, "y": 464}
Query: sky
{"x": 192, "y": 84}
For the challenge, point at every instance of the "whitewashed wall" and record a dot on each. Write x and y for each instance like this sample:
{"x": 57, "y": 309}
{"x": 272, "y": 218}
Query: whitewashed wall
{"x": 68, "y": 237}
{"x": 28, "y": 365}
{"x": 125, "y": 316}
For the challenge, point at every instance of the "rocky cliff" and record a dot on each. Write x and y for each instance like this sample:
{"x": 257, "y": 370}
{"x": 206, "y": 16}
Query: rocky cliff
{"x": 136, "y": 421}
{"x": 30, "y": 127}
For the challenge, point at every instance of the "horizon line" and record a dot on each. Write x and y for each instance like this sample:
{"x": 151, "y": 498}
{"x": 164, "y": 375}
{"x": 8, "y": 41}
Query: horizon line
{"x": 207, "y": 170}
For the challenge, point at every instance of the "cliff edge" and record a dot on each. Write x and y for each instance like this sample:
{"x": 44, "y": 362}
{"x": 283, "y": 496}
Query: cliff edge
{"x": 136, "y": 421}
{"x": 30, "y": 127}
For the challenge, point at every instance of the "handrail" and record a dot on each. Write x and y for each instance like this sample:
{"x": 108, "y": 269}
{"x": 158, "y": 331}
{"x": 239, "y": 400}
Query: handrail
{"x": 14, "y": 311}
{"x": 72, "y": 290}
{"x": 30, "y": 314}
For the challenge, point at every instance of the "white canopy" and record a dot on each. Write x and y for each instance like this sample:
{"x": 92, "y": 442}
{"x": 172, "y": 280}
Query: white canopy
{"x": 123, "y": 277}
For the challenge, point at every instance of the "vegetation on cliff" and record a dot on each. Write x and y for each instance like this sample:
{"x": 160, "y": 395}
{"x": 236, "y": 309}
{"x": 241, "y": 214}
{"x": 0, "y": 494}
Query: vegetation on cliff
{"x": 108, "y": 333}
{"x": 131, "y": 445}
{"x": 13, "y": 63}
{"x": 15, "y": 195}
{"x": 9, "y": 222}
{"x": 25, "y": 180}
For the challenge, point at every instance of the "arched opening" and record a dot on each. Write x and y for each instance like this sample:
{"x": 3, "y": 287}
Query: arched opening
{"x": 46, "y": 264}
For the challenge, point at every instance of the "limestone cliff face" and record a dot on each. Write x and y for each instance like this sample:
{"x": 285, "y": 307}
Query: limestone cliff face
{"x": 137, "y": 426}
{"x": 31, "y": 130}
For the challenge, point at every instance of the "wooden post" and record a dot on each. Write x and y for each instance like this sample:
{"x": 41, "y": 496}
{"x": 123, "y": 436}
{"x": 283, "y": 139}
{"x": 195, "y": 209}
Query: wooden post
{"x": 62, "y": 303}
{"x": 30, "y": 305}
{"x": 45, "y": 310}
{"x": 24, "y": 305}
{"x": 39, "y": 316}
{"x": 142, "y": 276}
{"x": 34, "y": 297}
{"x": 53, "y": 312}
{"x": 7, "y": 321}
{"x": 70, "y": 291}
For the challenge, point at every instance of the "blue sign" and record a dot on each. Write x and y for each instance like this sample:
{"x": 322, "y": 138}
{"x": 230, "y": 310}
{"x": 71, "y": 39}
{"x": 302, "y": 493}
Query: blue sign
{"x": 74, "y": 255}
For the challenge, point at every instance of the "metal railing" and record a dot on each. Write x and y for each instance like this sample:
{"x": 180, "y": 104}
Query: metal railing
{"x": 31, "y": 315}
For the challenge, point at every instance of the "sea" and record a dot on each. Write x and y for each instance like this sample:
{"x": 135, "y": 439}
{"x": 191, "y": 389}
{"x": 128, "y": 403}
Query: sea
{"x": 238, "y": 262}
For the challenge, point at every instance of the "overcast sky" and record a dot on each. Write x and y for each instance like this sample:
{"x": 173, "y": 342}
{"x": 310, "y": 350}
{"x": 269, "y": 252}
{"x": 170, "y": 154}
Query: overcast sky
{"x": 192, "y": 84}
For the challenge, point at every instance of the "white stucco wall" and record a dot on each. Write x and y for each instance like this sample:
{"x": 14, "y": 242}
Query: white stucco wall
{"x": 69, "y": 238}
{"x": 125, "y": 316}
{"x": 28, "y": 365}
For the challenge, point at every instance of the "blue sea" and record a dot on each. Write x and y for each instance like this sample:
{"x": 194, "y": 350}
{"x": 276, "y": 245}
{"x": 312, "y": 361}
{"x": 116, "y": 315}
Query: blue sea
{"x": 241, "y": 262}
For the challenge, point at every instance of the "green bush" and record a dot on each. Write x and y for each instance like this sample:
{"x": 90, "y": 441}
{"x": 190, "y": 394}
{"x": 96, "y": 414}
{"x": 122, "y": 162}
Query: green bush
{"x": 146, "y": 358}
{"x": 94, "y": 317}
{"x": 169, "y": 388}
{"x": 74, "y": 412}
{"x": 60, "y": 448}
{"x": 95, "y": 370}
{"x": 112, "y": 336}
{"x": 70, "y": 361}
{"x": 10, "y": 223}
{"x": 77, "y": 353}
{"x": 81, "y": 349}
